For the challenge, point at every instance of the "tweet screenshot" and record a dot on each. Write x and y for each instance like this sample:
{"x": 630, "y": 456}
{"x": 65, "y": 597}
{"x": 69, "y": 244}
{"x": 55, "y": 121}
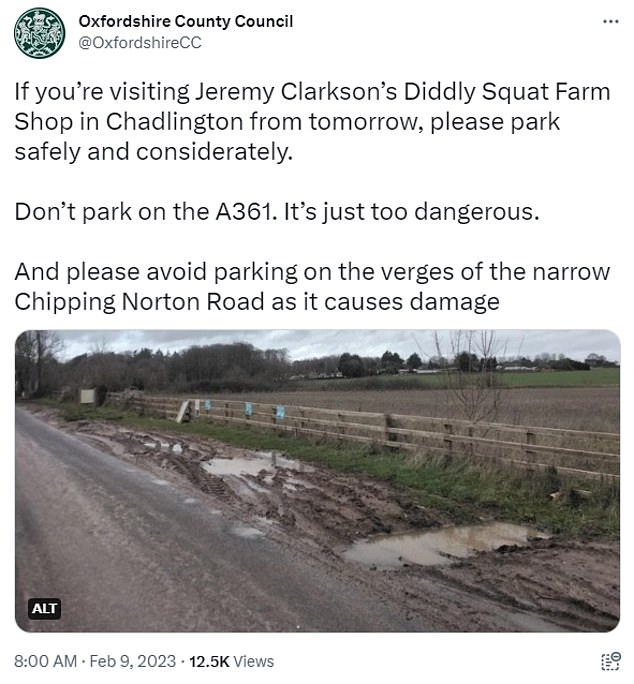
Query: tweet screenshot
{"x": 316, "y": 316}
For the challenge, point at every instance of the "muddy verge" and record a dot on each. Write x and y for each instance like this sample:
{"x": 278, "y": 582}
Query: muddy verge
{"x": 534, "y": 583}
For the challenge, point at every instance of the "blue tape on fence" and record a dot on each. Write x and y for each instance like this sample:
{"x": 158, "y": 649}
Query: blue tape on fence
{"x": 248, "y": 408}
{"x": 207, "y": 404}
{"x": 280, "y": 412}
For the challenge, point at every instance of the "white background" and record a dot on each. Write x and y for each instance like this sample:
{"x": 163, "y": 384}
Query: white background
{"x": 578, "y": 179}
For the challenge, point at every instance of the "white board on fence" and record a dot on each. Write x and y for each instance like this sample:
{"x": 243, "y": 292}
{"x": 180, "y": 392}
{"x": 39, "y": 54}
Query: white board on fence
{"x": 182, "y": 412}
{"x": 87, "y": 396}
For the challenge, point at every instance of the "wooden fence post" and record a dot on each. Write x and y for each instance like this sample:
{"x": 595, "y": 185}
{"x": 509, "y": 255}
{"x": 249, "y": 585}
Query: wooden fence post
{"x": 448, "y": 442}
{"x": 531, "y": 438}
{"x": 471, "y": 444}
{"x": 389, "y": 423}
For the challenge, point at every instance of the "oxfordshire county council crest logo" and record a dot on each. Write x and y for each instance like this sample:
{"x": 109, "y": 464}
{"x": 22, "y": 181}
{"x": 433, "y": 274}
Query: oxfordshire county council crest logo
{"x": 39, "y": 33}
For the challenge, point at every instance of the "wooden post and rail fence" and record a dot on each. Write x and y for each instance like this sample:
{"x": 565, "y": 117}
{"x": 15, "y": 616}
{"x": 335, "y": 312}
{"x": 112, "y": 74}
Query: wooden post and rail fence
{"x": 576, "y": 452}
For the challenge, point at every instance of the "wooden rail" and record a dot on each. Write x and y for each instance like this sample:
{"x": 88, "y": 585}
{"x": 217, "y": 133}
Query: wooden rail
{"x": 590, "y": 454}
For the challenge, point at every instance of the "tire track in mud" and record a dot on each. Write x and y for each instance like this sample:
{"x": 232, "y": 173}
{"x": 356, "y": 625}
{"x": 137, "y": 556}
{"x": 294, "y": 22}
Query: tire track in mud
{"x": 548, "y": 585}
{"x": 548, "y": 578}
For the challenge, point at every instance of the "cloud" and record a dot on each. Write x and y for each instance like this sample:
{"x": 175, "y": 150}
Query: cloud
{"x": 302, "y": 344}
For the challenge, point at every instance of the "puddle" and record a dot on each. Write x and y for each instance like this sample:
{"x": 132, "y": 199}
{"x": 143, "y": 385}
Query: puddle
{"x": 247, "y": 532}
{"x": 164, "y": 446}
{"x": 253, "y": 487}
{"x": 438, "y": 547}
{"x": 254, "y": 463}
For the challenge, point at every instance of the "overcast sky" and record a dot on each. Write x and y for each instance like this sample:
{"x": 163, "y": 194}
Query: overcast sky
{"x": 303, "y": 344}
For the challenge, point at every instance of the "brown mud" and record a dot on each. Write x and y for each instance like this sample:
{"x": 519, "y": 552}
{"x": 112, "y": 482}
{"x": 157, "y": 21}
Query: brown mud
{"x": 542, "y": 584}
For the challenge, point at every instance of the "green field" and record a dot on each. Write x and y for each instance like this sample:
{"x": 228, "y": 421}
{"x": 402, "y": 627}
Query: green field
{"x": 598, "y": 377}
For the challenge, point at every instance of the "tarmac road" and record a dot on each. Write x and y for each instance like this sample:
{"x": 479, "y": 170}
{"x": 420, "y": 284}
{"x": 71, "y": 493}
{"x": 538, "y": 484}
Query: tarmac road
{"x": 126, "y": 551}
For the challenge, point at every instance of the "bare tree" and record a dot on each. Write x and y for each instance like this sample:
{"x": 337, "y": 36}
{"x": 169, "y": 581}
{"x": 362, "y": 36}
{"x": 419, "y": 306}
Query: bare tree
{"x": 35, "y": 352}
{"x": 472, "y": 378}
